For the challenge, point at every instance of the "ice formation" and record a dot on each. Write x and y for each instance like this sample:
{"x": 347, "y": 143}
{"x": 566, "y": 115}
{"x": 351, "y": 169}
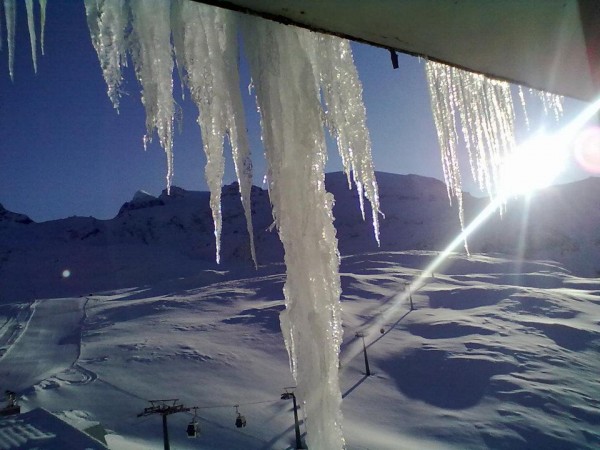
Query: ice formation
{"x": 205, "y": 41}
{"x": 291, "y": 69}
{"x": 42, "y": 24}
{"x": 107, "y": 20}
{"x": 345, "y": 118}
{"x": 32, "y": 37}
{"x": 10, "y": 17}
{"x": 205, "y": 45}
{"x": 552, "y": 103}
{"x": 286, "y": 73}
{"x": 10, "y": 12}
{"x": 523, "y": 106}
{"x": 483, "y": 107}
{"x": 151, "y": 53}
{"x": 443, "y": 107}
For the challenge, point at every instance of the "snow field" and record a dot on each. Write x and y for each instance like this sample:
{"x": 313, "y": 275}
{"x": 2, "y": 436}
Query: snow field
{"x": 486, "y": 360}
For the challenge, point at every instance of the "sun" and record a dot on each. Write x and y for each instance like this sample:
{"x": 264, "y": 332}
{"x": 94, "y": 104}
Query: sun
{"x": 533, "y": 165}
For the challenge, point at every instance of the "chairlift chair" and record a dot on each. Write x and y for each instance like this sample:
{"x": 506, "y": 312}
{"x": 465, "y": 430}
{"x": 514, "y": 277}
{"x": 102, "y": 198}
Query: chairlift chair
{"x": 240, "y": 421}
{"x": 193, "y": 428}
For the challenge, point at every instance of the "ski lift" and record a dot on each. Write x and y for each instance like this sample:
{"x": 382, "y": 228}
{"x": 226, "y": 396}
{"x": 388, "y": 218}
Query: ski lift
{"x": 193, "y": 429}
{"x": 240, "y": 421}
{"x": 12, "y": 407}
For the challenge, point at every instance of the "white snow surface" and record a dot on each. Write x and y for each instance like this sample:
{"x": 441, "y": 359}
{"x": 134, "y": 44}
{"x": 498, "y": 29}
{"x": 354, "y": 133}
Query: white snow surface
{"x": 501, "y": 351}
{"x": 494, "y": 356}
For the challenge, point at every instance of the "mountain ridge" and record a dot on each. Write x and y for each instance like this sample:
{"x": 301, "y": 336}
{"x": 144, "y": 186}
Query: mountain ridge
{"x": 173, "y": 235}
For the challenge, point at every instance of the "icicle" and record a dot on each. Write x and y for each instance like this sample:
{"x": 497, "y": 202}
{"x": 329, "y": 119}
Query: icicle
{"x": 206, "y": 47}
{"x": 288, "y": 71}
{"x": 346, "y": 118}
{"x": 442, "y": 105}
{"x": 200, "y": 43}
{"x": 151, "y": 55}
{"x": 487, "y": 122}
{"x": 1, "y": 34}
{"x": 486, "y": 114}
{"x": 10, "y": 11}
{"x": 240, "y": 147}
{"x": 32, "y": 37}
{"x": 42, "y": 23}
{"x": 523, "y": 106}
{"x": 107, "y": 21}
{"x": 286, "y": 84}
{"x": 550, "y": 102}
{"x": 443, "y": 115}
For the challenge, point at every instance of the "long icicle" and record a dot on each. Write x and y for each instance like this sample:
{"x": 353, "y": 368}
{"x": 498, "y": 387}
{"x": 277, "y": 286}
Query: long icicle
{"x": 240, "y": 147}
{"x": 152, "y": 57}
{"x": 32, "y": 37}
{"x": 206, "y": 50}
{"x": 286, "y": 83}
{"x": 107, "y": 21}
{"x": 42, "y": 4}
{"x": 197, "y": 50}
{"x": 10, "y": 12}
{"x": 346, "y": 118}
{"x": 485, "y": 110}
{"x": 289, "y": 73}
{"x": 442, "y": 105}
{"x": 1, "y": 33}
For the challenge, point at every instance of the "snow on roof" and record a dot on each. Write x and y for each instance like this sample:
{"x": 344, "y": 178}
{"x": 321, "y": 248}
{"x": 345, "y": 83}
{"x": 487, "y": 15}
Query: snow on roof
{"x": 40, "y": 429}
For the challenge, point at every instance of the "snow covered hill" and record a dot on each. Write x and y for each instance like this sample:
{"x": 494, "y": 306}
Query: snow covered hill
{"x": 161, "y": 238}
{"x": 499, "y": 352}
{"x": 496, "y": 354}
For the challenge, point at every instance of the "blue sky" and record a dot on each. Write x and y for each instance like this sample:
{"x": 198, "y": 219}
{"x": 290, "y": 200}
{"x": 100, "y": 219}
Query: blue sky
{"x": 65, "y": 151}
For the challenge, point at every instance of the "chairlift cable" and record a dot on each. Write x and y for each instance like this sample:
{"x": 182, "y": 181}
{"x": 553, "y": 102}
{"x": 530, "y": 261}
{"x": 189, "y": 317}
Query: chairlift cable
{"x": 237, "y": 404}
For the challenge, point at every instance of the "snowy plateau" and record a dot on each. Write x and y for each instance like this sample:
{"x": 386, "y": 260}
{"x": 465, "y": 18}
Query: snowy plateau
{"x": 500, "y": 351}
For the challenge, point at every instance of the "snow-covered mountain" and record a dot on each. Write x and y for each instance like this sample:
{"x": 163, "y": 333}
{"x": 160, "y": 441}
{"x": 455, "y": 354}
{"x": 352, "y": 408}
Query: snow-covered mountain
{"x": 172, "y": 235}
{"x": 498, "y": 353}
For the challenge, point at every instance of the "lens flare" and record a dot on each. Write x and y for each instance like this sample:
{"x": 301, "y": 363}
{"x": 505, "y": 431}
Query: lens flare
{"x": 587, "y": 150}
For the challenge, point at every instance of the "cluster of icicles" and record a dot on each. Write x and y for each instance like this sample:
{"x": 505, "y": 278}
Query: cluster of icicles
{"x": 10, "y": 16}
{"x": 304, "y": 82}
{"x": 484, "y": 110}
{"x": 292, "y": 70}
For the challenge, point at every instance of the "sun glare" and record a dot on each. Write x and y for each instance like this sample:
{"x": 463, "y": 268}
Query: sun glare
{"x": 533, "y": 165}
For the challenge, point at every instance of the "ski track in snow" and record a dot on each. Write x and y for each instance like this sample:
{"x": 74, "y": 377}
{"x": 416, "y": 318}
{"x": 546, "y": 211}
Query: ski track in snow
{"x": 16, "y": 318}
{"x": 48, "y": 344}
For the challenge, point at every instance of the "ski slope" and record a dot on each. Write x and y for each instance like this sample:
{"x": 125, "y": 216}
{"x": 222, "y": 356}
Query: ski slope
{"x": 49, "y": 342}
{"x": 494, "y": 355}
